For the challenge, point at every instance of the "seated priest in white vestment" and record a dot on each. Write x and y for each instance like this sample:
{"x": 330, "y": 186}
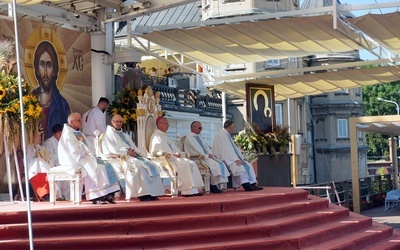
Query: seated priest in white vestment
{"x": 189, "y": 178}
{"x": 196, "y": 146}
{"x": 75, "y": 151}
{"x": 226, "y": 150}
{"x": 51, "y": 144}
{"x": 142, "y": 175}
{"x": 39, "y": 160}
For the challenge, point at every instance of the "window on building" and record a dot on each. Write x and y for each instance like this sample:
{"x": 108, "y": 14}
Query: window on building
{"x": 360, "y": 135}
{"x": 275, "y": 62}
{"x": 300, "y": 118}
{"x": 342, "y": 91}
{"x": 342, "y": 128}
{"x": 279, "y": 113}
{"x": 357, "y": 91}
{"x": 320, "y": 129}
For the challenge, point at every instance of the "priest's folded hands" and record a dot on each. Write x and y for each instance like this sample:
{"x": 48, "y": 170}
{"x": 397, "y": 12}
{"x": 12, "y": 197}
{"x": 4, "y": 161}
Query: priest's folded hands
{"x": 132, "y": 152}
{"x": 177, "y": 154}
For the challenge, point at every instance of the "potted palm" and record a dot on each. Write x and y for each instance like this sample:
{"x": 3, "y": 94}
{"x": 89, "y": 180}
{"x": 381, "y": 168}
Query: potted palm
{"x": 270, "y": 151}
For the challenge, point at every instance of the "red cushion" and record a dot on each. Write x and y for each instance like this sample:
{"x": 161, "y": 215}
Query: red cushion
{"x": 40, "y": 184}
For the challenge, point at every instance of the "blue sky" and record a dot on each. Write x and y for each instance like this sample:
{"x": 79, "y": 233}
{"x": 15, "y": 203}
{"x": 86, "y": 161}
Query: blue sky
{"x": 374, "y": 11}
{"x": 363, "y": 53}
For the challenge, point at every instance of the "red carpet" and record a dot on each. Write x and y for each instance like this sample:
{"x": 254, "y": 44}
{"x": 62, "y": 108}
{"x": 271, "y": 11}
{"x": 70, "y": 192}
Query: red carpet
{"x": 274, "y": 218}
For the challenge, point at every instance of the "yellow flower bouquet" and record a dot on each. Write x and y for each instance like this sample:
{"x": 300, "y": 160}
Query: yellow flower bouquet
{"x": 10, "y": 110}
{"x": 124, "y": 104}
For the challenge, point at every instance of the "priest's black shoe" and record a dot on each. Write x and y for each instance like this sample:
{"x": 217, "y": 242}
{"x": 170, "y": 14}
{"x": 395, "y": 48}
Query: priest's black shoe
{"x": 248, "y": 187}
{"x": 145, "y": 198}
{"x": 257, "y": 187}
{"x": 214, "y": 189}
{"x": 110, "y": 198}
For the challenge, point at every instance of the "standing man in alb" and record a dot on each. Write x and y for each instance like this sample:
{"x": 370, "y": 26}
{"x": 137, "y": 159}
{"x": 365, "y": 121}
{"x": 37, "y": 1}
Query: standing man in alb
{"x": 95, "y": 119}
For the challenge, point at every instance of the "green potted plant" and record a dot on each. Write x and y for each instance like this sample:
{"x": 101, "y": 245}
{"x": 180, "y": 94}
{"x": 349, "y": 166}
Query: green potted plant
{"x": 252, "y": 139}
{"x": 271, "y": 152}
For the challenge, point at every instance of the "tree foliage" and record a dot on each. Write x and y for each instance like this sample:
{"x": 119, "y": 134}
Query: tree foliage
{"x": 378, "y": 143}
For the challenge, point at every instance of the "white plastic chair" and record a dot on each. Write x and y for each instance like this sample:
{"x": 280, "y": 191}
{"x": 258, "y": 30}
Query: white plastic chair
{"x": 62, "y": 173}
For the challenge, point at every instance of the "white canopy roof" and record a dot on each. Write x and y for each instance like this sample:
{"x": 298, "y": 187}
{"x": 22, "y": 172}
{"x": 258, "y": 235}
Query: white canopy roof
{"x": 222, "y": 44}
{"x": 386, "y": 124}
{"x": 225, "y": 44}
{"x": 382, "y": 28}
{"x": 313, "y": 84}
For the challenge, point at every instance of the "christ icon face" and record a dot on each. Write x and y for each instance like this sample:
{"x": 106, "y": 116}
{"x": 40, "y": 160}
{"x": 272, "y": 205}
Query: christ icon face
{"x": 46, "y": 66}
{"x": 46, "y": 71}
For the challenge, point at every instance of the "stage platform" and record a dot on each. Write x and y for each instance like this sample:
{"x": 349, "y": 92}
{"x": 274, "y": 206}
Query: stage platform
{"x": 273, "y": 218}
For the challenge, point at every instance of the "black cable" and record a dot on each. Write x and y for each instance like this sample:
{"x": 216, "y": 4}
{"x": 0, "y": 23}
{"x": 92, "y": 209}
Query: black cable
{"x": 101, "y": 51}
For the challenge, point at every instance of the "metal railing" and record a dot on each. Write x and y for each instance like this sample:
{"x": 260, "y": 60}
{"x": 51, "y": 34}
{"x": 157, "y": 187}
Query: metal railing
{"x": 373, "y": 190}
{"x": 186, "y": 100}
{"x": 326, "y": 188}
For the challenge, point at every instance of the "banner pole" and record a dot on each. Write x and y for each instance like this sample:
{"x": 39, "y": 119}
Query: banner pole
{"x": 23, "y": 129}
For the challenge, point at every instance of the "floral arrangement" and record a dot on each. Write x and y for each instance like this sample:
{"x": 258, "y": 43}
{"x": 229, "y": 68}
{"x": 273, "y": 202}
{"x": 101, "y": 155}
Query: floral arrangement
{"x": 10, "y": 106}
{"x": 254, "y": 141}
{"x": 124, "y": 104}
{"x": 10, "y": 109}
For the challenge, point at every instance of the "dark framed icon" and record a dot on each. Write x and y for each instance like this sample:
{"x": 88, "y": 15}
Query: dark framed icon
{"x": 260, "y": 100}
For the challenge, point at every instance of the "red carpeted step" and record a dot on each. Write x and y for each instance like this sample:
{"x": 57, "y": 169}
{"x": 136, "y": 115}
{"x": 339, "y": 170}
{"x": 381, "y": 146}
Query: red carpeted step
{"x": 201, "y": 236}
{"x": 274, "y": 218}
{"x": 357, "y": 239}
{"x": 330, "y": 231}
{"x": 121, "y": 210}
{"x": 391, "y": 243}
{"x": 298, "y": 239}
{"x": 164, "y": 223}
{"x": 228, "y": 233}
{"x": 270, "y": 196}
{"x": 350, "y": 241}
{"x": 278, "y": 210}
{"x": 229, "y": 201}
{"x": 308, "y": 220}
{"x": 267, "y": 230}
{"x": 253, "y": 244}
